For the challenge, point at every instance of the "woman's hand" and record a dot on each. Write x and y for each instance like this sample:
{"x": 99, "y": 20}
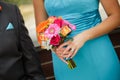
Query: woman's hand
{"x": 59, "y": 52}
{"x": 72, "y": 46}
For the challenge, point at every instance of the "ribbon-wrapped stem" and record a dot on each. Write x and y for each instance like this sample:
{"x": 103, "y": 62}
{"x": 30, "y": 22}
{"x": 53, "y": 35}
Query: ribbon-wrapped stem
{"x": 71, "y": 63}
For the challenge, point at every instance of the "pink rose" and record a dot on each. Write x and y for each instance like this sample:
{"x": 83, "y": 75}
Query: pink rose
{"x": 55, "y": 40}
{"x": 73, "y": 27}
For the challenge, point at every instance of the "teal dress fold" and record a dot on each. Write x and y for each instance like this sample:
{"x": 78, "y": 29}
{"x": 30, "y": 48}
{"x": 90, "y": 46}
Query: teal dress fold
{"x": 97, "y": 59}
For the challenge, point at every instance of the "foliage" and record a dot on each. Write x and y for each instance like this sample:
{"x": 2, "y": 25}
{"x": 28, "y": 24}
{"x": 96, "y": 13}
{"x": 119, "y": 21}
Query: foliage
{"x": 13, "y": 1}
{"x": 18, "y": 2}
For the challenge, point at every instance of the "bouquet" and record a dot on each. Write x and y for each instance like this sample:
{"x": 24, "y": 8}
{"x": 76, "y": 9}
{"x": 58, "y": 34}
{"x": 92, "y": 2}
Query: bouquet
{"x": 53, "y": 32}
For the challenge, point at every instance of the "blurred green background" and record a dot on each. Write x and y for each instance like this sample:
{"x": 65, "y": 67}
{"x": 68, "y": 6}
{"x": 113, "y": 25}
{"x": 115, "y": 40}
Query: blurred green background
{"x": 19, "y": 2}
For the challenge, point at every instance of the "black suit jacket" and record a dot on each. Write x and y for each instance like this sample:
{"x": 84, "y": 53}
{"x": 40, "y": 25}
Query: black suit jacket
{"x": 18, "y": 59}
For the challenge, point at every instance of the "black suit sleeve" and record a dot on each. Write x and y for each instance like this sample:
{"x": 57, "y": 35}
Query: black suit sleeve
{"x": 31, "y": 63}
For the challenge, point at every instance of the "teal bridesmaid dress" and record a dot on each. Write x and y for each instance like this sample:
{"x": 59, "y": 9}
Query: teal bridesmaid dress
{"x": 97, "y": 59}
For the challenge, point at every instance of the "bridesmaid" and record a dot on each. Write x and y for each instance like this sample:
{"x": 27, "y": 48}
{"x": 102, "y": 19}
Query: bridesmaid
{"x": 91, "y": 47}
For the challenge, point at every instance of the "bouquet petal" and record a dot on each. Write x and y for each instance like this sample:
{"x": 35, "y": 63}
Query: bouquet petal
{"x": 52, "y": 30}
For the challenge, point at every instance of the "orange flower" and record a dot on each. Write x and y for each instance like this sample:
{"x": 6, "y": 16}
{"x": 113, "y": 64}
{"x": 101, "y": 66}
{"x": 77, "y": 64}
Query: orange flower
{"x": 42, "y": 26}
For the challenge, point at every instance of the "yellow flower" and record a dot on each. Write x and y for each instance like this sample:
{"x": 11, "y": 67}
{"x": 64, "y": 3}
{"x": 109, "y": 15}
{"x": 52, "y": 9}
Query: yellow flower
{"x": 65, "y": 30}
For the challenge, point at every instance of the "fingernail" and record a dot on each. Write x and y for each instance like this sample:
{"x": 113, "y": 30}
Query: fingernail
{"x": 66, "y": 58}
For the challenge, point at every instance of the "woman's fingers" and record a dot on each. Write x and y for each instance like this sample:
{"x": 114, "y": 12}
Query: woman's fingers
{"x": 63, "y": 60}
{"x": 67, "y": 50}
{"x": 59, "y": 53}
{"x": 72, "y": 54}
{"x": 64, "y": 45}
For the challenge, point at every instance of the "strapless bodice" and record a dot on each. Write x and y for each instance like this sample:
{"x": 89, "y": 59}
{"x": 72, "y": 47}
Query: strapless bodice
{"x": 73, "y": 11}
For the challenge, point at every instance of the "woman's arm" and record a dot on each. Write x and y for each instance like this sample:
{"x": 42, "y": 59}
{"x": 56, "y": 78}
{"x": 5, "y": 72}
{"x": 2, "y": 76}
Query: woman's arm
{"x": 112, "y": 9}
{"x": 39, "y": 10}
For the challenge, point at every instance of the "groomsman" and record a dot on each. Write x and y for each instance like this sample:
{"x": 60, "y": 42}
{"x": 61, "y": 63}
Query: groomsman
{"x": 18, "y": 59}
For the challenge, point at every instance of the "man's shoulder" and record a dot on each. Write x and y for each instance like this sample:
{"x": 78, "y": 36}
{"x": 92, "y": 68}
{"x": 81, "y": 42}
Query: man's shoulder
{"x": 8, "y": 6}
